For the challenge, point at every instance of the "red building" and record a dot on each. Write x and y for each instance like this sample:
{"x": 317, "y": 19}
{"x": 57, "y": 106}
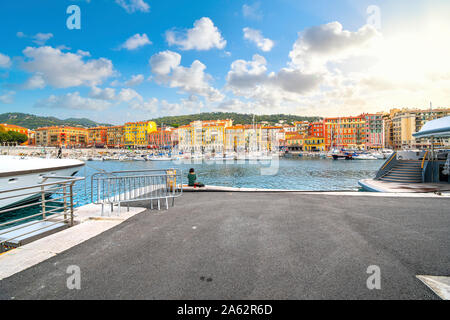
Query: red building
{"x": 345, "y": 132}
{"x": 316, "y": 129}
{"x": 162, "y": 138}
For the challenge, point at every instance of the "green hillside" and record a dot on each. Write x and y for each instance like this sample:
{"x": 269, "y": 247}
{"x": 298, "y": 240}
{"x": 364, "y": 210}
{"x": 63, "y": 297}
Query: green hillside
{"x": 238, "y": 118}
{"x": 31, "y": 121}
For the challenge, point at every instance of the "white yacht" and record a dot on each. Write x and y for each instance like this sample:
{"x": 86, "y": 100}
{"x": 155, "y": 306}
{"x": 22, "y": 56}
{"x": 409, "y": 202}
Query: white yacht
{"x": 364, "y": 156}
{"x": 16, "y": 172}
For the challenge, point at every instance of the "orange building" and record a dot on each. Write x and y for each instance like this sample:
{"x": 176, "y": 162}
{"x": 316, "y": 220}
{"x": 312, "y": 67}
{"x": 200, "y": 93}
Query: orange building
{"x": 345, "y": 132}
{"x": 316, "y": 129}
{"x": 97, "y": 136}
{"x": 294, "y": 141}
{"x": 18, "y": 129}
{"x": 61, "y": 136}
{"x": 115, "y": 136}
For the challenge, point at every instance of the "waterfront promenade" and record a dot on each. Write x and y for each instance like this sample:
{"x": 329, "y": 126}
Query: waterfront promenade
{"x": 230, "y": 245}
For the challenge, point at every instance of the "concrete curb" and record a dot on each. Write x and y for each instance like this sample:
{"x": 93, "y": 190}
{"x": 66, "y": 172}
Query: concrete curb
{"x": 333, "y": 192}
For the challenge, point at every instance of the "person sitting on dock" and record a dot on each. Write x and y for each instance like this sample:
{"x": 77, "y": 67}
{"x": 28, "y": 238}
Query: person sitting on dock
{"x": 191, "y": 179}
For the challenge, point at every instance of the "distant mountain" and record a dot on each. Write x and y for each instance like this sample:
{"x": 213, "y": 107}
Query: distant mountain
{"x": 238, "y": 118}
{"x": 31, "y": 121}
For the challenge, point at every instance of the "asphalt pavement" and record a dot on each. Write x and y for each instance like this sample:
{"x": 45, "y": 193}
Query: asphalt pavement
{"x": 230, "y": 245}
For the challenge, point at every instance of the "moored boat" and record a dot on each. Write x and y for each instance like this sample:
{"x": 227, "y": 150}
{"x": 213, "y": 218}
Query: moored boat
{"x": 16, "y": 172}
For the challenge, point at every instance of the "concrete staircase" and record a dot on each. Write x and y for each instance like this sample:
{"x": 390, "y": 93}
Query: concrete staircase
{"x": 405, "y": 171}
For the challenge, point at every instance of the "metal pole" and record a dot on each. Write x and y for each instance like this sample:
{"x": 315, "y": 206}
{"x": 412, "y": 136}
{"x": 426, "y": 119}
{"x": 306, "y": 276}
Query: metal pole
{"x": 71, "y": 205}
{"x": 65, "y": 202}
{"x": 43, "y": 201}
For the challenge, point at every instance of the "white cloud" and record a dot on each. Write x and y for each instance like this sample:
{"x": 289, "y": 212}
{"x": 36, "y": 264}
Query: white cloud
{"x": 7, "y": 97}
{"x": 151, "y": 105}
{"x": 166, "y": 66}
{"x": 318, "y": 45}
{"x": 135, "y": 80}
{"x": 124, "y": 95}
{"x": 252, "y": 11}
{"x": 185, "y": 106}
{"x": 132, "y": 6}
{"x": 127, "y": 94}
{"x": 204, "y": 36}
{"x": 163, "y": 62}
{"x": 247, "y": 74}
{"x": 256, "y": 37}
{"x": 5, "y": 61}
{"x": 36, "y": 81}
{"x": 42, "y": 38}
{"x": 103, "y": 94}
{"x": 63, "y": 70}
{"x": 268, "y": 92}
{"x": 73, "y": 101}
{"x": 234, "y": 105}
{"x": 136, "y": 41}
{"x": 39, "y": 38}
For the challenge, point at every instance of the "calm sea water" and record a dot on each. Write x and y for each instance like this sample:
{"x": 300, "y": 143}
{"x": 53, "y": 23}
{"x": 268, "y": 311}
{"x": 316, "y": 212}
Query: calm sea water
{"x": 299, "y": 174}
{"x": 295, "y": 173}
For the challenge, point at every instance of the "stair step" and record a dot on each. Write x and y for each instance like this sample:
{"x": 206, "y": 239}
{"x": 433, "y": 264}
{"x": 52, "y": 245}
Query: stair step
{"x": 401, "y": 181}
{"x": 402, "y": 178}
{"x": 407, "y": 169}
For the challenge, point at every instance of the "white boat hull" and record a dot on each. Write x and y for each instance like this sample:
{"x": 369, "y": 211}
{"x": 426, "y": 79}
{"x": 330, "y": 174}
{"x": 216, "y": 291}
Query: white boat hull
{"x": 33, "y": 176}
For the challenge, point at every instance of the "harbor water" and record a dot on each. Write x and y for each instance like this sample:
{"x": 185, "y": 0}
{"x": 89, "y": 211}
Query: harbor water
{"x": 312, "y": 174}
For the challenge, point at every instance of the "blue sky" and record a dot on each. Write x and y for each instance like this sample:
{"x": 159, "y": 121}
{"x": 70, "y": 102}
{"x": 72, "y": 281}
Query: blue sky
{"x": 303, "y": 57}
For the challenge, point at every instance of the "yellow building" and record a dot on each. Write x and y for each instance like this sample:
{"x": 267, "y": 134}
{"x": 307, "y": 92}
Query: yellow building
{"x": 235, "y": 138}
{"x": 313, "y": 143}
{"x": 294, "y": 141}
{"x": 405, "y": 122}
{"x": 136, "y": 133}
{"x": 203, "y": 136}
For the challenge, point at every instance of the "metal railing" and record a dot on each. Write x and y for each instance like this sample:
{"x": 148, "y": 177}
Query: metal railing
{"x": 387, "y": 166}
{"x": 117, "y": 187}
{"x": 49, "y": 213}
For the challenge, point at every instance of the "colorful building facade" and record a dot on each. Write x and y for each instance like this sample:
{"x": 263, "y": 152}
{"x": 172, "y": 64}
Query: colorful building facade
{"x": 313, "y": 143}
{"x": 136, "y": 133}
{"x": 97, "y": 137}
{"x": 374, "y": 131}
{"x": 294, "y": 142}
{"x": 115, "y": 137}
{"x": 162, "y": 138}
{"x": 345, "y": 132}
{"x": 61, "y": 137}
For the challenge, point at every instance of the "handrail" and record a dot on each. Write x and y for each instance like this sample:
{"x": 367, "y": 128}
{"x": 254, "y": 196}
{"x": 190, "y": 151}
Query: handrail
{"x": 423, "y": 160}
{"x": 56, "y": 212}
{"x": 387, "y": 162}
{"x": 387, "y": 166}
{"x": 136, "y": 185}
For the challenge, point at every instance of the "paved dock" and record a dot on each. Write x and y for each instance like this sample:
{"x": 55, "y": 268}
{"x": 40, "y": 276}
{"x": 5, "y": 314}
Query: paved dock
{"x": 229, "y": 245}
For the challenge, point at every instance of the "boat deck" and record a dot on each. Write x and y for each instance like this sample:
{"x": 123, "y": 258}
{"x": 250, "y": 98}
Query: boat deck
{"x": 396, "y": 187}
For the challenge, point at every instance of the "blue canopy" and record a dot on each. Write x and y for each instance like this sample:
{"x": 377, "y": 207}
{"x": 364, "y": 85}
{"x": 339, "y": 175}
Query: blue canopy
{"x": 435, "y": 128}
